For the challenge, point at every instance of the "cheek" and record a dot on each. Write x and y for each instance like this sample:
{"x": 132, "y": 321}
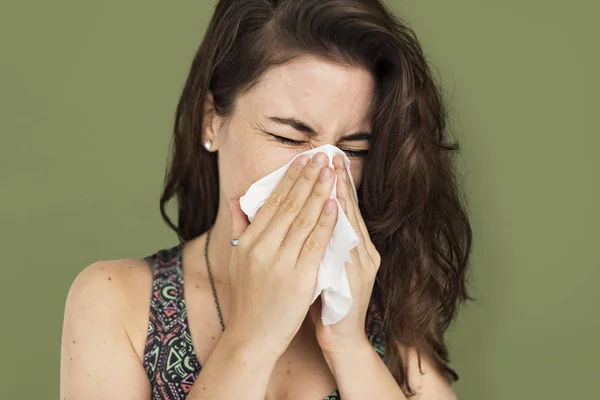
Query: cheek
{"x": 254, "y": 165}
{"x": 239, "y": 163}
{"x": 246, "y": 158}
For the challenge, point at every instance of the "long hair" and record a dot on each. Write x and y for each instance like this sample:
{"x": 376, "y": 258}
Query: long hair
{"x": 410, "y": 198}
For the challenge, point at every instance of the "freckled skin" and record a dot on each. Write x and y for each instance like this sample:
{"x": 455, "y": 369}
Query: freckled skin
{"x": 308, "y": 89}
{"x": 243, "y": 146}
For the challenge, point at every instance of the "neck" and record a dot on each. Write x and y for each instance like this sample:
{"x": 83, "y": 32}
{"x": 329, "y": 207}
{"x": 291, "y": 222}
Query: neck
{"x": 219, "y": 246}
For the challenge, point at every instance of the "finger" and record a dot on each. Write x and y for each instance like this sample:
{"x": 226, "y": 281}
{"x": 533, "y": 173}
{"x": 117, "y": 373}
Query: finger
{"x": 305, "y": 188}
{"x": 345, "y": 192}
{"x": 308, "y": 216}
{"x": 361, "y": 222}
{"x": 314, "y": 248}
{"x": 356, "y": 209}
{"x": 239, "y": 220}
{"x": 277, "y": 196}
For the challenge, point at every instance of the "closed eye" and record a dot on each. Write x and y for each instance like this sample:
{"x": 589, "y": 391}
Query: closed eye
{"x": 351, "y": 153}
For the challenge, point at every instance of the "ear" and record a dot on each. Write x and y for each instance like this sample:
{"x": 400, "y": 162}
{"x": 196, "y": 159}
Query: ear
{"x": 210, "y": 122}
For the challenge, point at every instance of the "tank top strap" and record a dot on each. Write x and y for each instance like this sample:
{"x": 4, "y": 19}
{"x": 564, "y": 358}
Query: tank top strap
{"x": 168, "y": 354}
{"x": 166, "y": 268}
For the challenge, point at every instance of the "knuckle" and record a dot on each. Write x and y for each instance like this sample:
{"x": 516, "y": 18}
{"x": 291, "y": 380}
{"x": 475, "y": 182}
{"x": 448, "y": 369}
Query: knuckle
{"x": 307, "y": 177}
{"x": 312, "y": 244}
{"x": 242, "y": 244}
{"x": 290, "y": 205}
{"x": 276, "y": 199}
{"x": 320, "y": 190}
{"x": 325, "y": 221}
{"x": 292, "y": 175}
{"x": 303, "y": 221}
{"x": 288, "y": 181}
{"x": 257, "y": 255}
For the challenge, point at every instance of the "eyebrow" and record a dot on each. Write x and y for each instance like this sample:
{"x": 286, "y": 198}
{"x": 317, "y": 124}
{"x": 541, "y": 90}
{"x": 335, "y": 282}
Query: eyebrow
{"x": 310, "y": 132}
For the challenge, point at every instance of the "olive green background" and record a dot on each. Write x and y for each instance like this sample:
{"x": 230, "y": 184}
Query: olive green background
{"x": 88, "y": 93}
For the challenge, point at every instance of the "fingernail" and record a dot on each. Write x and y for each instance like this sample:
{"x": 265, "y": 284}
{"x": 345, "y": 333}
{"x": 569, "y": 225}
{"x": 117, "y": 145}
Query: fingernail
{"x": 344, "y": 175}
{"x": 343, "y": 203}
{"x": 329, "y": 207}
{"x": 319, "y": 158}
{"x": 230, "y": 206}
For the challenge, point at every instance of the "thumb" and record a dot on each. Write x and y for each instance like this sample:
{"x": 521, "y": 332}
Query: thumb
{"x": 239, "y": 223}
{"x": 314, "y": 311}
{"x": 239, "y": 220}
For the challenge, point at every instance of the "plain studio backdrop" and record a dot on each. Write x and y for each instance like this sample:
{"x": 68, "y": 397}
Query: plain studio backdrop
{"x": 88, "y": 91}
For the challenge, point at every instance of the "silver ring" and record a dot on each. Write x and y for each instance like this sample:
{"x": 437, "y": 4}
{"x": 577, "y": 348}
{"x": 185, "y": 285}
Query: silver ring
{"x": 234, "y": 242}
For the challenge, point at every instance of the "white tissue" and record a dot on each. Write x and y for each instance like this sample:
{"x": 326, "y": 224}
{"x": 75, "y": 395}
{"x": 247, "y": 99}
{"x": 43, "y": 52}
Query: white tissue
{"x": 332, "y": 280}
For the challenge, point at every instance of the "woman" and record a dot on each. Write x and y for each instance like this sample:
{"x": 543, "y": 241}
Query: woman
{"x": 272, "y": 79}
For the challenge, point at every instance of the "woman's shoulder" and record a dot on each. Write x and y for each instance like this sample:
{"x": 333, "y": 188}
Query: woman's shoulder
{"x": 105, "y": 327}
{"x": 119, "y": 288}
{"x": 115, "y": 280}
{"x": 122, "y": 278}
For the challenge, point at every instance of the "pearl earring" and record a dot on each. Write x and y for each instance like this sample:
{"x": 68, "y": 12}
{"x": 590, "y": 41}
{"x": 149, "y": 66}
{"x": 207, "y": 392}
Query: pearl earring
{"x": 208, "y": 144}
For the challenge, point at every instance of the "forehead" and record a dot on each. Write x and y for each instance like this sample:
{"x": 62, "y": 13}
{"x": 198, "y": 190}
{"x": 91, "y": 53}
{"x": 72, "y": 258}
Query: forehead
{"x": 329, "y": 96}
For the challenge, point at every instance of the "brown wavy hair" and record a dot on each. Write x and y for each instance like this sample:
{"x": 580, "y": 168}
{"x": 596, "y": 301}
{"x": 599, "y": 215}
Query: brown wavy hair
{"x": 413, "y": 208}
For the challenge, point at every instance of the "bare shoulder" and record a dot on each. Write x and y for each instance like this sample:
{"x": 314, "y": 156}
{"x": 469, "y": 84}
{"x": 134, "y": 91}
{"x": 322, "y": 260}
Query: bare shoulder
{"x": 425, "y": 380}
{"x": 120, "y": 276}
{"x": 103, "y": 330}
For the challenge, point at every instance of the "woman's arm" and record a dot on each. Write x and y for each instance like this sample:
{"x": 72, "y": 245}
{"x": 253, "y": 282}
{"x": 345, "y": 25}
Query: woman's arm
{"x": 361, "y": 373}
{"x": 236, "y": 369}
{"x": 98, "y": 358}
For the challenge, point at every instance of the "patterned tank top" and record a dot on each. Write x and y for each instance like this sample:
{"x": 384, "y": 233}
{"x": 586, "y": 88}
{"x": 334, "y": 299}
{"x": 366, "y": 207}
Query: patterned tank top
{"x": 169, "y": 357}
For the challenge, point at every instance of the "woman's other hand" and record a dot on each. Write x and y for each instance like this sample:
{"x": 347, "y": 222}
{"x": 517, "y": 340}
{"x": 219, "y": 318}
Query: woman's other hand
{"x": 349, "y": 332}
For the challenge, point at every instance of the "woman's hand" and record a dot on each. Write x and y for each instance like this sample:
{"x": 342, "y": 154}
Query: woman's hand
{"x": 349, "y": 332}
{"x": 273, "y": 270}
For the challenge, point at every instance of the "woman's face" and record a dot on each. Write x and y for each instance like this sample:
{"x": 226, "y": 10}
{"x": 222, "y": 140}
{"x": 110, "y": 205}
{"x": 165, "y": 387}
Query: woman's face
{"x": 330, "y": 99}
